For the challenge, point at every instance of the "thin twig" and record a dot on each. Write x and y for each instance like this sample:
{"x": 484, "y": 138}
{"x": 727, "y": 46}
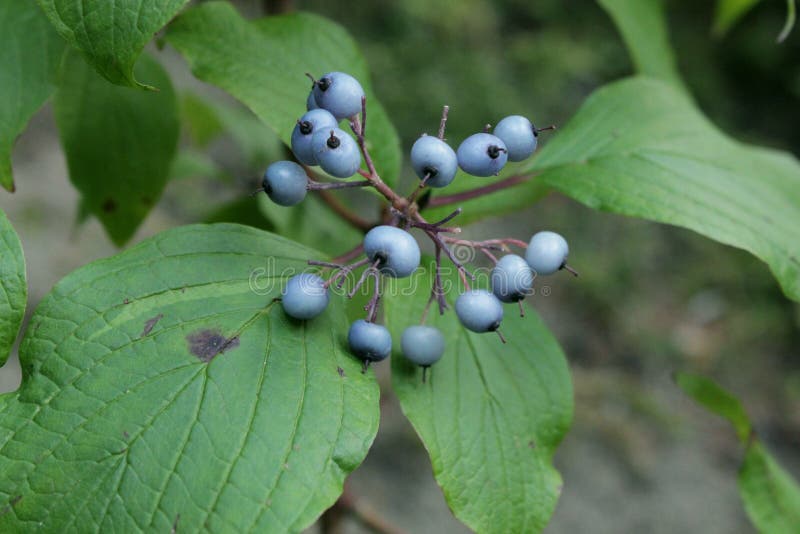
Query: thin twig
{"x": 479, "y": 191}
{"x": 342, "y": 211}
{"x": 443, "y": 122}
{"x": 318, "y": 186}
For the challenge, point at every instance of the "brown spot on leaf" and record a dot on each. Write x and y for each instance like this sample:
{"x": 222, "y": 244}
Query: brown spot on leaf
{"x": 126, "y": 301}
{"x": 148, "y": 326}
{"x": 340, "y": 371}
{"x": 109, "y": 206}
{"x": 206, "y": 344}
{"x": 531, "y": 444}
{"x": 125, "y": 434}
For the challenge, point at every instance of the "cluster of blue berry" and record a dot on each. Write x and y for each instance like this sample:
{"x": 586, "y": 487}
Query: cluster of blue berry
{"x": 389, "y": 250}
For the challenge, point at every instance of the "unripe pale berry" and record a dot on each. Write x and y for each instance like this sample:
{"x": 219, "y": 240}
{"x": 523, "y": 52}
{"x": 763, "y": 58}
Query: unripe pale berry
{"x": 305, "y": 296}
{"x": 433, "y": 157}
{"x": 482, "y": 154}
{"x": 310, "y": 123}
{"x": 285, "y": 182}
{"x": 336, "y": 152}
{"x": 339, "y": 93}
{"x": 369, "y": 341}
{"x": 512, "y": 278}
{"x": 396, "y": 250}
{"x": 479, "y": 310}
{"x": 547, "y": 252}
{"x": 519, "y": 135}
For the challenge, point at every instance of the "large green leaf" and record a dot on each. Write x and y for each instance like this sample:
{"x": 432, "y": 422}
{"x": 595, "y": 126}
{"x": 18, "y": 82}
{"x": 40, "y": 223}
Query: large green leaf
{"x": 643, "y": 27}
{"x": 263, "y": 64}
{"x": 490, "y": 415}
{"x": 13, "y": 287}
{"x": 639, "y": 147}
{"x": 164, "y": 390}
{"x": 111, "y": 35}
{"x": 771, "y": 497}
{"x": 30, "y": 52}
{"x": 119, "y": 142}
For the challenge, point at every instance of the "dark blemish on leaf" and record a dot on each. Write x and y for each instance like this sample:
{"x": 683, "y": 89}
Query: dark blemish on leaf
{"x": 206, "y": 344}
{"x": 183, "y": 290}
{"x": 11, "y": 503}
{"x": 148, "y": 326}
{"x": 126, "y": 301}
{"x": 175, "y": 524}
{"x": 109, "y": 206}
{"x": 340, "y": 371}
{"x": 531, "y": 444}
{"x": 147, "y": 201}
{"x": 125, "y": 434}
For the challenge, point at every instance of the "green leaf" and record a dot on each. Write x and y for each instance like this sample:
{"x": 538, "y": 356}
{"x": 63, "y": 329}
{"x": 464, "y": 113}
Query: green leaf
{"x": 728, "y": 12}
{"x": 30, "y": 52}
{"x": 640, "y": 148}
{"x": 313, "y": 224}
{"x": 263, "y": 64}
{"x": 164, "y": 389}
{"x": 716, "y": 400}
{"x": 771, "y": 497}
{"x": 119, "y": 142}
{"x": 111, "y": 35}
{"x": 490, "y": 415}
{"x": 13, "y": 287}
{"x": 643, "y": 26}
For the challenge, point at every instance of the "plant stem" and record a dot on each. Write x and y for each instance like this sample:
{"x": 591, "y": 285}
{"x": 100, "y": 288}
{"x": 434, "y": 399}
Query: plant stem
{"x": 340, "y": 209}
{"x": 511, "y": 181}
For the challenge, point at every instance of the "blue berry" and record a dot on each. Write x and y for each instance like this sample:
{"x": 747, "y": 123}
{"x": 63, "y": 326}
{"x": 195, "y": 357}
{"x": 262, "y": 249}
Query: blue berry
{"x": 512, "y": 279}
{"x": 285, "y": 182}
{"x": 482, "y": 154}
{"x": 479, "y": 310}
{"x": 339, "y": 93}
{"x": 396, "y": 250}
{"x": 423, "y": 345}
{"x": 336, "y": 152}
{"x": 519, "y": 135}
{"x": 305, "y": 296}
{"x": 432, "y": 156}
{"x": 369, "y": 341}
{"x": 311, "y": 102}
{"x": 307, "y": 125}
{"x": 547, "y": 252}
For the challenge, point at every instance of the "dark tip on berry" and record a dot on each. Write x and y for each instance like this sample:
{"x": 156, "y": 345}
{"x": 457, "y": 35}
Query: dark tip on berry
{"x": 324, "y": 83}
{"x": 494, "y": 326}
{"x": 381, "y": 258}
{"x": 333, "y": 141}
{"x": 494, "y": 151}
{"x": 306, "y": 127}
{"x": 430, "y": 171}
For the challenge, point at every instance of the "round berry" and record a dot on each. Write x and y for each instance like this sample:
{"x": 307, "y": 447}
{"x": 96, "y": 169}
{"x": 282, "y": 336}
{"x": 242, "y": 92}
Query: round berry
{"x": 479, "y": 310}
{"x": 369, "y": 341}
{"x": 395, "y": 250}
{"x": 547, "y": 252}
{"x": 519, "y": 135}
{"x": 336, "y": 152}
{"x": 285, "y": 182}
{"x": 512, "y": 278}
{"x": 311, "y": 102}
{"x": 432, "y": 157}
{"x": 339, "y": 93}
{"x": 423, "y": 345}
{"x": 305, "y": 296}
{"x": 307, "y": 125}
{"x": 482, "y": 154}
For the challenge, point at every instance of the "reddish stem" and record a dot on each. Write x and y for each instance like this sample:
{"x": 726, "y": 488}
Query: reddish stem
{"x": 511, "y": 181}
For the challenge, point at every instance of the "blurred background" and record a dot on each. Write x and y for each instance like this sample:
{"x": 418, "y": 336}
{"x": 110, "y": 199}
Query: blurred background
{"x": 651, "y": 299}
